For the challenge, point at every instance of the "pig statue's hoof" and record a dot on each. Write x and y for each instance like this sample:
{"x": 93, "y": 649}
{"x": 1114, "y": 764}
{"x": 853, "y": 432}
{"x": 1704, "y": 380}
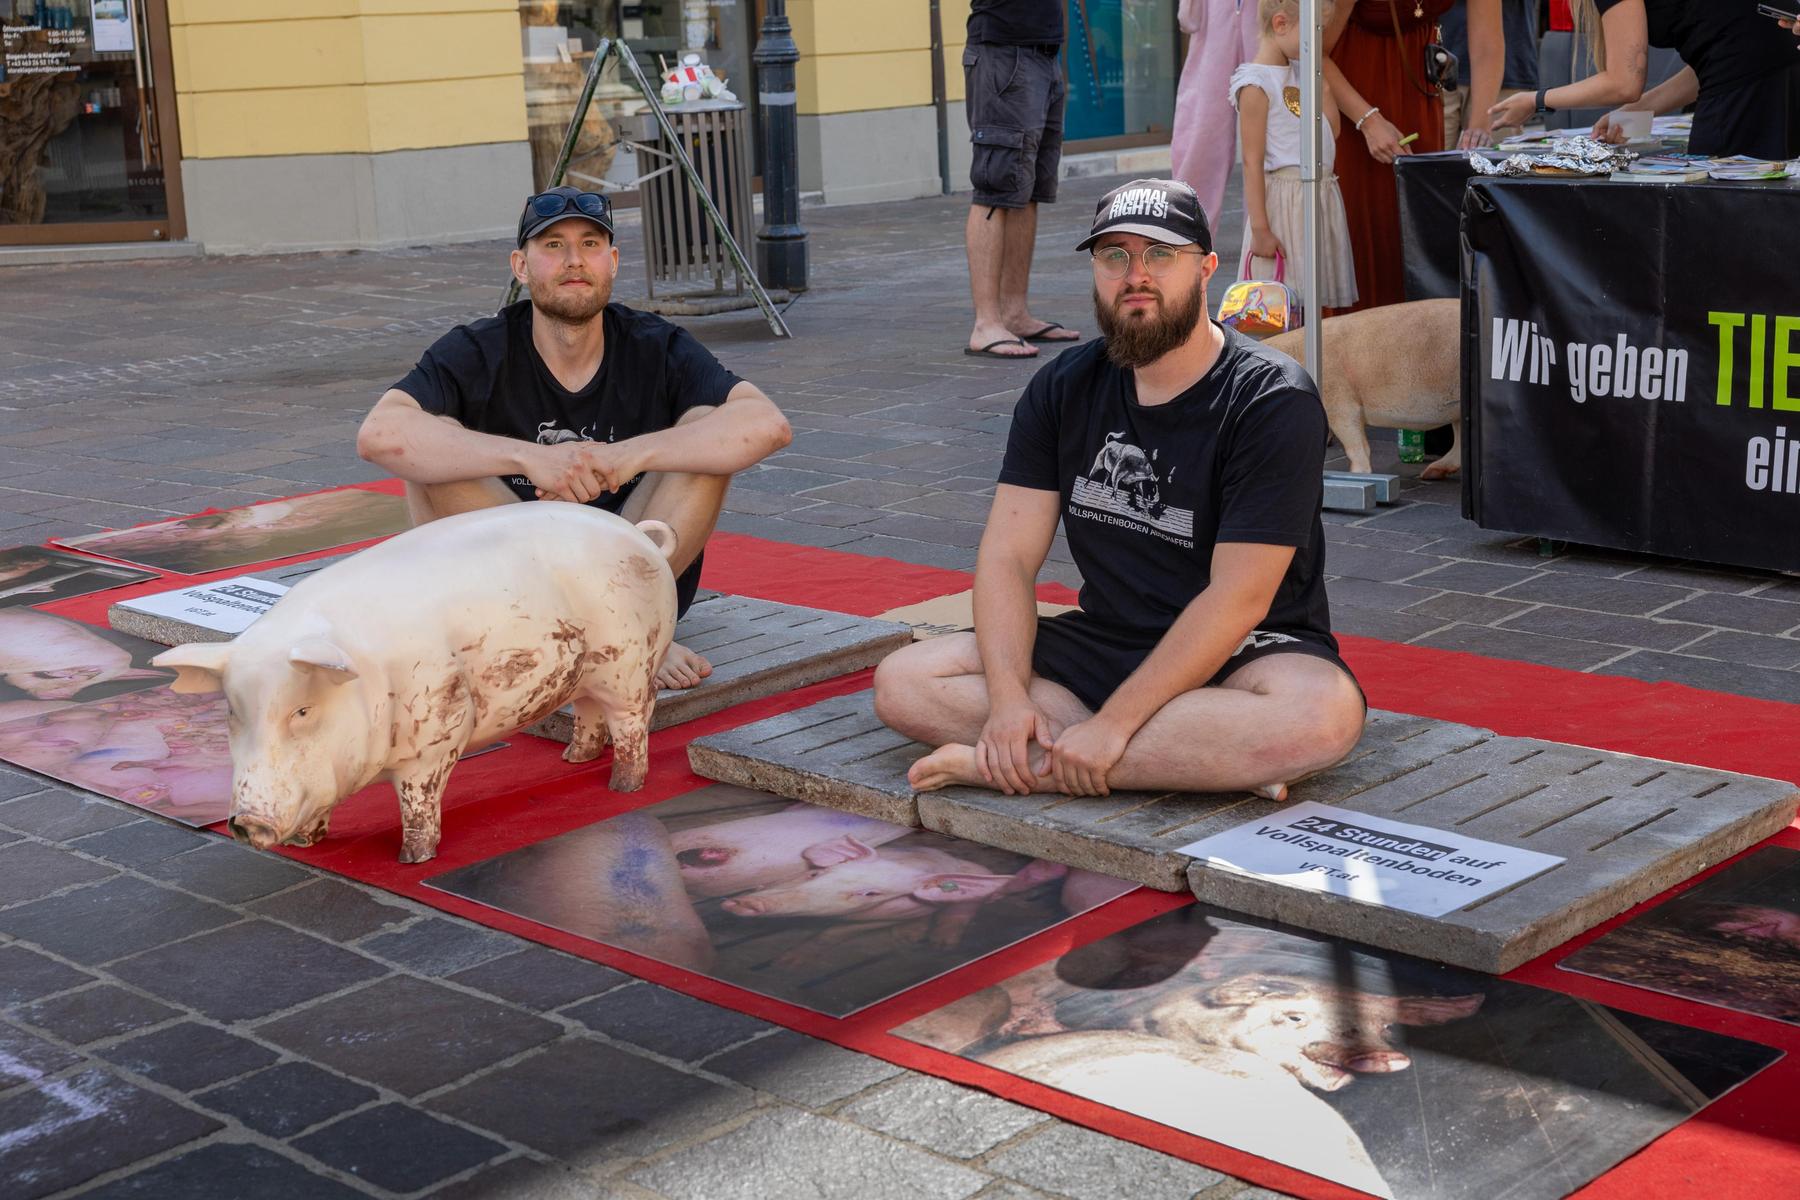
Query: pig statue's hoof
{"x": 576, "y": 753}
{"x": 627, "y": 777}
{"x": 417, "y": 854}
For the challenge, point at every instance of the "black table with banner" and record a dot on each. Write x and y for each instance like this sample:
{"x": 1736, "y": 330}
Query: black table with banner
{"x": 1631, "y": 364}
{"x": 1430, "y": 188}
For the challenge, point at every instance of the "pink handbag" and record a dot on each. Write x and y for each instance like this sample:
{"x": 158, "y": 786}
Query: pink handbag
{"x": 1261, "y": 307}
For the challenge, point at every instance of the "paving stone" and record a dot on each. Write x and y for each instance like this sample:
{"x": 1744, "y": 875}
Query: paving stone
{"x": 1626, "y": 597}
{"x": 1652, "y": 633}
{"x": 799, "y": 533}
{"x": 27, "y": 975}
{"x": 801, "y": 1069}
{"x": 246, "y": 971}
{"x": 798, "y": 1154}
{"x": 1478, "y": 578}
{"x": 225, "y": 1171}
{"x": 1737, "y": 678}
{"x": 16, "y": 783}
{"x": 1753, "y": 614}
{"x": 436, "y": 946}
{"x": 834, "y": 753}
{"x": 284, "y": 1099}
{"x": 927, "y": 554}
{"x": 758, "y": 648}
{"x": 227, "y": 872}
{"x": 1085, "y": 1165}
{"x": 1627, "y": 828}
{"x": 24, "y": 1056}
{"x": 1520, "y": 647}
{"x": 1389, "y": 627}
{"x": 1368, "y": 562}
{"x": 59, "y": 814}
{"x": 188, "y": 1056}
{"x": 93, "y": 1013}
{"x": 669, "y": 1023}
{"x": 333, "y": 910}
{"x": 65, "y": 1133}
{"x": 541, "y": 978}
{"x": 1749, "y": 648}
{"x": 941, "y": 1116}
{"x": 867, "y": 493}
{"x": 590, "y": 1104}
{"x": 29, "y": 870}
{"x": 111, "y": 919}
{"x": 1380, "y": 597}
{"x": 139, "y": 843}
{"x": 399, "y": 1148}
{"x": 408, "y": 1034}
{"x": 528, "y": 1179}
{"x": 1460, "y": 606}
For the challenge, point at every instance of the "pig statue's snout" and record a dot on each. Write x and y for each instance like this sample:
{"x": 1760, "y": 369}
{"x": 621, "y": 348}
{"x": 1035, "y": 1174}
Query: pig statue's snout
{"x": 249, "y": 829}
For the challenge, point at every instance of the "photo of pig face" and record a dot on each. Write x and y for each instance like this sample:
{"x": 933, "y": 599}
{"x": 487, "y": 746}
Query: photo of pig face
{"x": 825, "y": 909}
{"x": 300, "y": 729}
{"x": 44, "y": 657}
{"x": 1385, "y": 1073}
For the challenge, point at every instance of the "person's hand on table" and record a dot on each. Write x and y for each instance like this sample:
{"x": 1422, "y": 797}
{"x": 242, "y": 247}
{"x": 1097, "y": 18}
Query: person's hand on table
{"x": 1383, "y": 139}
{"x": 1003, "y": 752}
{"x": 1514, "y": 110}
{"x": 1476, "y": 135}
{"x": 1609, "y": 131}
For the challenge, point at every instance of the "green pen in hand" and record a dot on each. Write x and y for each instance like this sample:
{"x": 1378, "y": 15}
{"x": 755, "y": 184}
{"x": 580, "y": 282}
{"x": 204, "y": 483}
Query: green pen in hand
{"x": 1409, "y": 138}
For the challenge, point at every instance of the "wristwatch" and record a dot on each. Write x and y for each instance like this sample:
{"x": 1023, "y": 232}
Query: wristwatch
{"x": 1541, "y": 106}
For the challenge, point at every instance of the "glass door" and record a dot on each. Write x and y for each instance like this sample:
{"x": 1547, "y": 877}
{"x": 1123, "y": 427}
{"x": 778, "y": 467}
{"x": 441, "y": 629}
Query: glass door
{"x": 1121, "y": 66}
{"x": 88, "y": 144}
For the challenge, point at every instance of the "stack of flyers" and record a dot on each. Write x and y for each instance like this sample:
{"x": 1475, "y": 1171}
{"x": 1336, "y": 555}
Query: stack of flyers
{"x": 1742, "y": 167}
{"x": 1665, "y": 168}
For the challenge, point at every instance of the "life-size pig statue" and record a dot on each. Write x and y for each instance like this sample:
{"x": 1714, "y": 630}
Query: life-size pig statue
{"x": 393, "y": 663}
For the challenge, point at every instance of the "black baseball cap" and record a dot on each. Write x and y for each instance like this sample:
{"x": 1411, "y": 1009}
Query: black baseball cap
{"x": 1163, "y": 210}
{"x": 547, "y": 208}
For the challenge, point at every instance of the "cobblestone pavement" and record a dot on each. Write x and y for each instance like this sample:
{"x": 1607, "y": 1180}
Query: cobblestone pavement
{"x": 181, "y": 1017}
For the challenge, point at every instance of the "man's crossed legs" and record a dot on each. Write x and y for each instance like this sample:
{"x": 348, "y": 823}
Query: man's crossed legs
{"x": 1271, "y": 722}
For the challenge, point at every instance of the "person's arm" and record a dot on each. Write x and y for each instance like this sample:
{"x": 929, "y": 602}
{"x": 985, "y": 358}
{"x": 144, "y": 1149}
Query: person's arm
{"x": 1335, "y": 26}
{"x": 1378, "y": 132}
{"x": 1487, "y": 66}
{"x": 1245, "y": 577}
{"x": 1253, "y": 139}
{"x": 739, "y": 433}
{"x": 421, "y": 447}
{"x": 1021, "y": 526}
{"x": 1676, "y": 92}
{"x": 1620, "y": 79}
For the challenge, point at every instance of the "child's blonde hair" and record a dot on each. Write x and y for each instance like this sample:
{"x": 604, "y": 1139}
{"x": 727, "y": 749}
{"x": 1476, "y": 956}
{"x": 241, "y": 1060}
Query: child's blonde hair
{"x": 1290, "y": 9}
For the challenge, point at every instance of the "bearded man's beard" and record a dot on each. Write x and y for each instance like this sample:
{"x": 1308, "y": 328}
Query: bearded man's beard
{"x": 572, "y": 307}
{"x": 1138, "y": 341}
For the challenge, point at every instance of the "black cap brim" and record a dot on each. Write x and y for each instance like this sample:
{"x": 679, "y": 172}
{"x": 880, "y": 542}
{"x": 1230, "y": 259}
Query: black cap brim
{"x": 539, "y": 224}
{"x": 1156, "y": 233}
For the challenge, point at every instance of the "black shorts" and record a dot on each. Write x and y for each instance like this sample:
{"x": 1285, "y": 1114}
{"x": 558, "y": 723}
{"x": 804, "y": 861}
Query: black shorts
{"x": 1015, "y": 105}
{"x": 1092, "y": 659}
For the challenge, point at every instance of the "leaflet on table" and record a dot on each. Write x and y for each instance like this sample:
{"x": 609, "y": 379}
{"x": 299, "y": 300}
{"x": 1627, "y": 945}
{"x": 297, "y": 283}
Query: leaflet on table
{"x": 1740, "y": 167}
{"x": 224, "y": 606}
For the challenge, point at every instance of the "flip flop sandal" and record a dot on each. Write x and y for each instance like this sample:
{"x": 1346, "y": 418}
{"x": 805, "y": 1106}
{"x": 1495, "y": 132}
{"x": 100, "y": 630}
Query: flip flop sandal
{"x": 987, "y": 351}
{"x": 1043, "y": 335}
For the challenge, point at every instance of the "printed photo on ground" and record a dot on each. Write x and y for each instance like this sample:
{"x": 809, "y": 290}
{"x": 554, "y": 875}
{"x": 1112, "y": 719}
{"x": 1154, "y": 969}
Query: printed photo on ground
{"x": 1396, "y": 1076}
{"x": 37, "y": 575}
{"x": 823, "y": 909}
{"x": 237, "y": 537}
{"x": 1733, "y": 941}
{"x": 83, "y": 705}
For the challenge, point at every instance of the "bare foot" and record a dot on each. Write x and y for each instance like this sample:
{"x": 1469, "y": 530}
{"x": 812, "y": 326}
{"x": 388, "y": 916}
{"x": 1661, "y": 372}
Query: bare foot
{"x": 681, "y": 668}
{"x": 997, "y": 341}
{"x": 1030, "y": 327}
{"x": 946, "y": 766}
{"x": 1271, "y": 791}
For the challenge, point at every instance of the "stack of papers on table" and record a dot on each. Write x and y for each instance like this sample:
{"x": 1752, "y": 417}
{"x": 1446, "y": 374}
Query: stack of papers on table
{"x": 1666, "y": 168}
{"x": 1740, "y": 167}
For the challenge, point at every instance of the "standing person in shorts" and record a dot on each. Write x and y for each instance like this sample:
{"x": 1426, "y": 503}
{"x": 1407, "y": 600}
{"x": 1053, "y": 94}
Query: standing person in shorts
{"x": 1012, "y": 72}
{"x": 1185, "y": 463}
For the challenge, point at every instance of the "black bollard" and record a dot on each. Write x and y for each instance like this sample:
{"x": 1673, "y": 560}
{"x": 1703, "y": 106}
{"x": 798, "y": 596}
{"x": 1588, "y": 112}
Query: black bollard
{"x": 780, "y": 243}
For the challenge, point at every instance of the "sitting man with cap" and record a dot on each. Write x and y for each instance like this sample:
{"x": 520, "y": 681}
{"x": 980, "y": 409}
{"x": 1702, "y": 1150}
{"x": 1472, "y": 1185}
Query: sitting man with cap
{"x": 1185, "y": 463}
{"x": 565, "y": 396}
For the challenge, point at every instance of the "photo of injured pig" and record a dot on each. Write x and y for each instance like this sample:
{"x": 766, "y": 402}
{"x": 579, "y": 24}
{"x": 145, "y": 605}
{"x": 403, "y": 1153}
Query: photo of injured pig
{"x": 824, "y": 909}
{"x": 1733, "y": 941}
{"x": 81, "y": 704}
{"x": 237, "y": 537}
{"x": 38, "y": 575}
{"x": 1389, "y": 1074}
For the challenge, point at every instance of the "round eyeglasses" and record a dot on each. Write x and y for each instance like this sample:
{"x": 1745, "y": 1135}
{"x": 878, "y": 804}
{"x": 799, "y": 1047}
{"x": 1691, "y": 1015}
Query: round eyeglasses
{"x": 1114, "y": 262}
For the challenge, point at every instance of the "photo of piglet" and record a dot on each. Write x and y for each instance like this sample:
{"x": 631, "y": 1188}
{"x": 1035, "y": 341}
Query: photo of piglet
{"x": 257, "y": 533}
{"x": 1395, "y": 1076}
{"x": 824, "y": 909}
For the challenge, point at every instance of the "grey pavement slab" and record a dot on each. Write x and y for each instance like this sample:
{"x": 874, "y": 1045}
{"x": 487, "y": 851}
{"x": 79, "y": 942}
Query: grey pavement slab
{"x": 52, "y": 812}
{"x": 438, "y": 946}
{"x": 189, "y": 1056}
{"x": 273, "y": 968}
{"x": 758, "y": 648}
{"x": 28, "y": 870}
{"x": 332, "y": 909}
{"x": 540, "y": 977}
{"x": 225, "y": 1171}
{"x": 286, "y": 1099}
{"x": 111, "y": 919}
{"x": 941, "y": 1116}
{"x": 27, "y": 975}
{"x": 80, "y": 1126}
{"x": 224, "y": 871}
{"x": 1085, "y": 1165}
{"x": 398, "y": 1148}
{"x": 669, "y": 1023}
{"x": 90, "y": 1014}
{"x": 28, "y": 1057}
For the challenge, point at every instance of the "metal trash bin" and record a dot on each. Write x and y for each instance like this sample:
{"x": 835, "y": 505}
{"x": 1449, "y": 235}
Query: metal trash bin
{"x": 680, "y": 244}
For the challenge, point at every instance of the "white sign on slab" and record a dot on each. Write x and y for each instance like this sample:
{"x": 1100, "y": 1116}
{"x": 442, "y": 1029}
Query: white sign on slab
{"x": 225, "y": 606}
{"x": 1413, "y": 868}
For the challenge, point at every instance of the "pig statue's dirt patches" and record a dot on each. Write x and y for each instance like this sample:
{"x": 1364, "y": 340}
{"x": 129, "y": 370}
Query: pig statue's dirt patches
{"x": 1392, "y": 1075}
{"x": 817, "y": 907}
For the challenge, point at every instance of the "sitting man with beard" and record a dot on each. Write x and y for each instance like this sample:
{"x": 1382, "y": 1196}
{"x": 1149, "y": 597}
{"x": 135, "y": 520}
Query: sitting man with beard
{"x": 564, "y": 396}
{"x": 1185, "y": 463}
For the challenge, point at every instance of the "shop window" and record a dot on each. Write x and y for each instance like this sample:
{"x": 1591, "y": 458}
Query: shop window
{"x": 1121, "y": 64}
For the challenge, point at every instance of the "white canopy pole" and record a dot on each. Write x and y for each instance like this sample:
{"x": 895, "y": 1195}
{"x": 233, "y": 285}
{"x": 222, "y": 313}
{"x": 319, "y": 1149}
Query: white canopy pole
{"x": 1312, "y": 156}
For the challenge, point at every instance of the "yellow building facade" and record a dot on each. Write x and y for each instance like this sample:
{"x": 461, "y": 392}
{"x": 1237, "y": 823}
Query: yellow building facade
{"x": 315, "y": 124}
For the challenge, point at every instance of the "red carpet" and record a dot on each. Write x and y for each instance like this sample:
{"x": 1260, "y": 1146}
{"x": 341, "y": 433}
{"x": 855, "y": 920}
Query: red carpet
{"x": 1743, "y": 1147}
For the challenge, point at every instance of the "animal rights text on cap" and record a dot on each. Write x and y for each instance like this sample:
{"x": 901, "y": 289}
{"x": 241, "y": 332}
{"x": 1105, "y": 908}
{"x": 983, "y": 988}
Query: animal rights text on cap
{"x": 1163, "y": 210}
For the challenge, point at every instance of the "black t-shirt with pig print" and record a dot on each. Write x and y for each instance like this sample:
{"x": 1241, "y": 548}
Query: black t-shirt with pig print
{"x": 489, "y": 377}
{"x": 1148, "y": 490}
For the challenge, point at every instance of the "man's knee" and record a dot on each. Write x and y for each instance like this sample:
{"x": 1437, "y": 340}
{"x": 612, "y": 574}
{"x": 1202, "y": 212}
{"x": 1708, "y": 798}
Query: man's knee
{"x": 430, "y": 501}
{"x": 1332, "y": 723}
{"x": 898, "y": 680}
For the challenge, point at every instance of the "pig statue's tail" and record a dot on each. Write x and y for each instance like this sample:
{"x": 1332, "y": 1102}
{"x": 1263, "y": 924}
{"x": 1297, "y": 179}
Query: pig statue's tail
{"x": 661, "y": 536}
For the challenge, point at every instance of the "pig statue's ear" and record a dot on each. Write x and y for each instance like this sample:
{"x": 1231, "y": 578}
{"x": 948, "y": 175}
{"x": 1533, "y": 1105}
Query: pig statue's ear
{"x": 198, "y": 666}
{"x": 323, "y": 658}
{"x": 959, "y": 889}
{"x": 837, "y": 850}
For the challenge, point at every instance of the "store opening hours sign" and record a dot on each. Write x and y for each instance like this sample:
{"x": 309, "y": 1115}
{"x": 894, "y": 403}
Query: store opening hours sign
{"x": 1413, "y": 868}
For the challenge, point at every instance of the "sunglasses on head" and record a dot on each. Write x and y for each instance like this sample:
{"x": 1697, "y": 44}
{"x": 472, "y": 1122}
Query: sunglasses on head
{"x": 550, "y": 204}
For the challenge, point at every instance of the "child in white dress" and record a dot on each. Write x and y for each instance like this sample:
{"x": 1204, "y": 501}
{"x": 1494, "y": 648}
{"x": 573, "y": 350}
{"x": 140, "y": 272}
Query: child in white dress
{"x": 1266, "y": 94}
